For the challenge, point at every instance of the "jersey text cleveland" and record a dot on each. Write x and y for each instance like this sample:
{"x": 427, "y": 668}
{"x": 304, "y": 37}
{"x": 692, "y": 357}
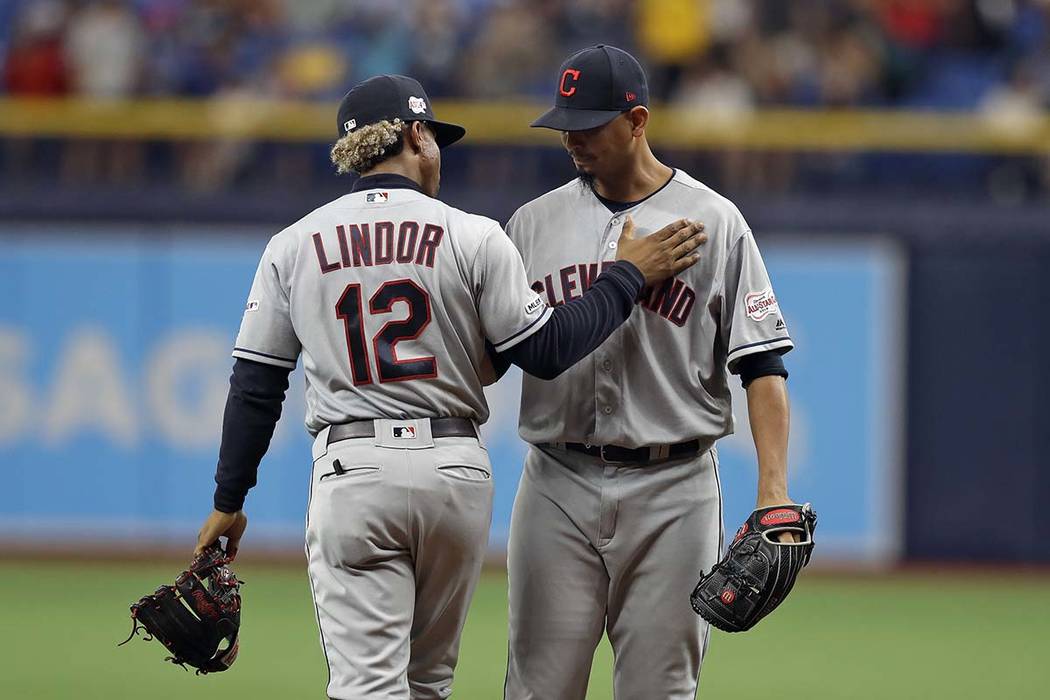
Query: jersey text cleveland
{"x": 672, "y": 299}
{"x": 378, "y": 244}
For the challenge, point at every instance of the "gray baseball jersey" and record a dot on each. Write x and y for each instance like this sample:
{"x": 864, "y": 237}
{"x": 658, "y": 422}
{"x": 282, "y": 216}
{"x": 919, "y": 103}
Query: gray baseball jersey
{"x": 661, "y": 378}
{"x": 389, "y": 295}
{"x": 604, "y": 547}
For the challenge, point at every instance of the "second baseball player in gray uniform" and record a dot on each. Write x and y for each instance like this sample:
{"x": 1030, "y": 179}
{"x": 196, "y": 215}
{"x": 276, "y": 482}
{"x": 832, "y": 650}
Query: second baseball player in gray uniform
{"x": 390, "y": 296}
{"x": 619, "y": 505}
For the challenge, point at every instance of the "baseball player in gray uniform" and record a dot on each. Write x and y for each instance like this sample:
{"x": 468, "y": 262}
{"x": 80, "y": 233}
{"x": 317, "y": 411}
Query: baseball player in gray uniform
{"x": 390, "y": 297}
{"x": 619, "y": 506}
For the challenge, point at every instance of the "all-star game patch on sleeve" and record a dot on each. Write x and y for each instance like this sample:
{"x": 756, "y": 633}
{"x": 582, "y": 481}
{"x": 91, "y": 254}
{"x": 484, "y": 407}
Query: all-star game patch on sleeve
{"x": 509, "y": 310}
{"x": 266, "y": 333}
{"x": 751, "y": 318}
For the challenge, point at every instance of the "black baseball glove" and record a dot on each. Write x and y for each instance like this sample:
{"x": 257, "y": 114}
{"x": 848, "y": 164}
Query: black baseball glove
{"x": 757, "y": 572}
{"x": 196, "y": 615}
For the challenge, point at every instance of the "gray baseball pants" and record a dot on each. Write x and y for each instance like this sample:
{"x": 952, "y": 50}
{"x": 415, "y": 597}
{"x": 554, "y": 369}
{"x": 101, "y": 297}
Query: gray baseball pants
{"x": 394, "y": 548}
{"x": 601, "y": 548}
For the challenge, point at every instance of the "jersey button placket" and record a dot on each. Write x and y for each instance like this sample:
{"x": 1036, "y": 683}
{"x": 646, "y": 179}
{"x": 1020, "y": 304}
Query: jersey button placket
{"x": 606, "y": 392}
{"x": 608, "y": 245}
{"x": 607, "y": 395}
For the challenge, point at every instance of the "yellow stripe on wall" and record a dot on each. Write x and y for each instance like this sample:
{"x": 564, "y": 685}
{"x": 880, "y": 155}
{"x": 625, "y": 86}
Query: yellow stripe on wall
{"x": 506, "y": 123}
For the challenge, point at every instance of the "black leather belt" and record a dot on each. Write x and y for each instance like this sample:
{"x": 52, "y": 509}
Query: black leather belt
{"x": 614, "y": 454}
{"x": 439, "y": 428}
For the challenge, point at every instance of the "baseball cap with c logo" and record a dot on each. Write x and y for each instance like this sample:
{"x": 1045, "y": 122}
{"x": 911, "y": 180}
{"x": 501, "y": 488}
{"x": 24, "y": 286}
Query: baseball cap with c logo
{"x": 594, "y": 86}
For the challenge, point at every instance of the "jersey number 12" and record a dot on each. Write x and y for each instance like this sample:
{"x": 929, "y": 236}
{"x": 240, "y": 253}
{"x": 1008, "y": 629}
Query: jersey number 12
{"x": 391, "y": 369}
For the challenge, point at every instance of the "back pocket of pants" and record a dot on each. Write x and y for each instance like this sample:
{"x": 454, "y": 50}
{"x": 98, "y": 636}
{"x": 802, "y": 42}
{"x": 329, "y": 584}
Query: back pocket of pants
{"x": 339, "y": 471}
{"x": 465, "y": 472}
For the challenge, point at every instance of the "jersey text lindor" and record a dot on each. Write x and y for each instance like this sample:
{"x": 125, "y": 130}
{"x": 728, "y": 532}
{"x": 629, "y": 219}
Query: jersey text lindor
{"x": 369, "y": 244}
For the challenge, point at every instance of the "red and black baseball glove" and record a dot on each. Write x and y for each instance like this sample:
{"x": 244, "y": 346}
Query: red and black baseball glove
{"x": 757, "y": 571}
{"x": 196, "y": 615}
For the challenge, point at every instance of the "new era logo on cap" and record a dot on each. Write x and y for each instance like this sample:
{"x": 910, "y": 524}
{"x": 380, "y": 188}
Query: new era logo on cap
{"x": 350, "y": 124}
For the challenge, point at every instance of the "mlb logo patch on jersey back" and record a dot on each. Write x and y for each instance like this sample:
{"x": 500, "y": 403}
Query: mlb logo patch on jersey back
{"x": 377, "y": 197}
{"x": 404, "y": 432}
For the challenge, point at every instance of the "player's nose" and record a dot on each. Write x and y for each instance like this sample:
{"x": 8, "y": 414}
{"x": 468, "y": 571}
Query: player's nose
{"x": 573, "y": 139}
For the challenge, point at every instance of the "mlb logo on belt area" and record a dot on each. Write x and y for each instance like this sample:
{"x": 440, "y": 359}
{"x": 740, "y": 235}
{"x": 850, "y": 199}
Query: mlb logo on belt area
{"x": 404, "y": 432}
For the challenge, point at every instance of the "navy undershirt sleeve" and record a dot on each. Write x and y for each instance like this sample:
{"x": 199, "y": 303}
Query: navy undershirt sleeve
{"x": 760, "y": 364}
{"x": 576, "y": 328}
{"x": 253, "y": 408}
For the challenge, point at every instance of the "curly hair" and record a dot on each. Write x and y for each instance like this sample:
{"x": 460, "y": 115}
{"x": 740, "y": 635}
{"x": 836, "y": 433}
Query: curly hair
{"x": 361, "y": 150}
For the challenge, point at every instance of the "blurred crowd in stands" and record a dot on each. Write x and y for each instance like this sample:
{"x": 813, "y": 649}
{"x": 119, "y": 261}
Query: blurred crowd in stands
{"x": 723, "y": 57}
{"x": 729, "y": 54}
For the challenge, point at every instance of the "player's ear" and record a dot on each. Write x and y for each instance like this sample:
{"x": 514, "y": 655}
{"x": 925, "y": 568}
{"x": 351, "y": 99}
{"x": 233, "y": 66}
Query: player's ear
{"x": 639, "y": 118}
{"x": 417, "y": 135}
{"x": 414, "y": 137}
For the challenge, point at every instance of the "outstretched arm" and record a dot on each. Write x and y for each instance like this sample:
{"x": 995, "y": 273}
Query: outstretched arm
{"x": 577, "y": 328}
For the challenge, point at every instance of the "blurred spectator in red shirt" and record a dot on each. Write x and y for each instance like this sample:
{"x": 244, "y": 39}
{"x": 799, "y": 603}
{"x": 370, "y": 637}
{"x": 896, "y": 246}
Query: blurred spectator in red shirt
{"x": 35, "y": 64}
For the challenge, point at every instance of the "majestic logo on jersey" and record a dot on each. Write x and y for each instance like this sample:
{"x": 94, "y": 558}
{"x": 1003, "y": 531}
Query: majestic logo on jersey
{"x": 759, "y": 304}
{"x": 252, "y": 305}
{"x": 673, "y": 300}
{"x": 567, "y": 86}
{"x": 350, "y": 124}
{"x": 377, "y": 197}
{"x": 534, "y": 305}
{"x": 417, "y": 105}
{"x": 404, "y": 432}
{"x": 781, "y": 325}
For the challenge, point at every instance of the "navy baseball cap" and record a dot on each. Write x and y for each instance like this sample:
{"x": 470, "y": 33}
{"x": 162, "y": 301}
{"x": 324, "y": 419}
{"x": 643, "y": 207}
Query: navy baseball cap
{"x": 392, "y": 97}
{"x": 595, "y": 86}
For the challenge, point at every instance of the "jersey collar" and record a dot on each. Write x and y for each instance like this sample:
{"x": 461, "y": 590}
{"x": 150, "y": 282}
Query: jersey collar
{"x": 617, "y": 207}
{"x": 386, "y": 181}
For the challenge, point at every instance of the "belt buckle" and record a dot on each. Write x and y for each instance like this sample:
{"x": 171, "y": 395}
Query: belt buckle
{"x": 606, "y": 460}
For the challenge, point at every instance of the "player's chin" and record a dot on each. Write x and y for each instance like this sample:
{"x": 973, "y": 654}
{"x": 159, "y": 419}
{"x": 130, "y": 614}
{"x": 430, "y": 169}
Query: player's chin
{"x": 585, "y": 175}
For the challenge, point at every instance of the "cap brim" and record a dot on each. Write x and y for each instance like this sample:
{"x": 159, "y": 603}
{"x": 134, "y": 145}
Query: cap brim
{"x": 564, "y": 119}
{"x": 446, "y": 134}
